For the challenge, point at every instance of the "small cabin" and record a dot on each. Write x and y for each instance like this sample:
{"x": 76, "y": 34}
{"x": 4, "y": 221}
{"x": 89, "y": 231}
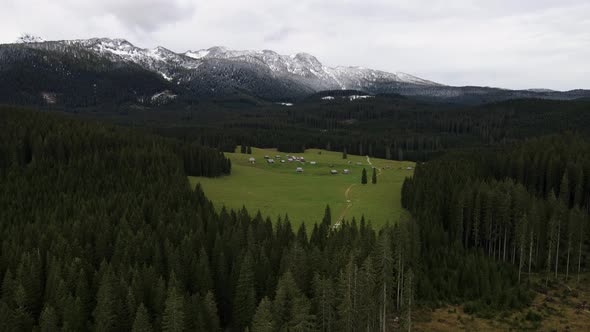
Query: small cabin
{"x": 409, "y": 168}
{"x": 312, "y": 163}
{"x": 333, "y": 171}
{"x": 278, "y": 156}
{"x": 251, "y": 160}
{"x": 266, "y": 157}
{"x": 282, "y": 161}
{"x": 346, "y": 171}
{"x": 270, "y": 161}
{"x": 299, "y": 170}
{"x": 290, "y": 159}
{"x": 358, "y": 163}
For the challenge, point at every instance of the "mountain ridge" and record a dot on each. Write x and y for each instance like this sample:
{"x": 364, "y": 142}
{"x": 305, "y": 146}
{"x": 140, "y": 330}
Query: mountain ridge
{"x": 219, "y": 71}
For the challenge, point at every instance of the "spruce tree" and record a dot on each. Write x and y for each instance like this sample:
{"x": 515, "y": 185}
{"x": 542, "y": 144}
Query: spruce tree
{"x": 244, "y": 304}
{"x": 364, "y": 177}
{"x": 212, "y": 318}
{"x": 262, "y": 321}
{"x": 173, "y": 317}
{"x": 48, "y": 320}
{"x": 374, "y": 177}
{"x": 323, "y": 302}
{"x": 344, "y": 154}
{"x": 142, "y": 320}
{"x": 249, "y": 150}
{"x": 104, "y": 313}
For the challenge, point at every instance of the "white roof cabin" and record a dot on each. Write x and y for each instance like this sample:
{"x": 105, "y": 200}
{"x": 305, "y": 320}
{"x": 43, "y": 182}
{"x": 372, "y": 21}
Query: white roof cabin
{"x": 270, "y": 161}
{"x": 312, "y": 162}
{"x": 346, "y": 171}
{"x": 333, "y": 171}
{"x": 299, "y": 170}
{"x": 251, "y": 159}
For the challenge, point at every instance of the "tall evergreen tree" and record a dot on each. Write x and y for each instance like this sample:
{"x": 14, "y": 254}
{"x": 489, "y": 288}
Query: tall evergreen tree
{"x": 364, "y": 177}
{"x": 173, "y": 317}
{"x": 244, "y": 304}
{"x": 374, "y": 176}
{"x": 142, "y": 320}
{"x": 263, "y": 321}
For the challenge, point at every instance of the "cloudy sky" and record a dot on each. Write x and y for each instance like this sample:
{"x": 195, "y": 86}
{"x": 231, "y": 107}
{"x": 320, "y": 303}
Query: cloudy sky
{"x": 505, "y": 43}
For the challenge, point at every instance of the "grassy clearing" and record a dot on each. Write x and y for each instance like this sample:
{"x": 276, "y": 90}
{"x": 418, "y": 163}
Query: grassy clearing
{"x": 276, "y": 189}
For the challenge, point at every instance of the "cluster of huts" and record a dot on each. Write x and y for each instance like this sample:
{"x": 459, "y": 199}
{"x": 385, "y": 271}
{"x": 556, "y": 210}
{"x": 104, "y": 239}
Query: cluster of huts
{"x": 345, "y": 171}
{"x": 290, "y": 159}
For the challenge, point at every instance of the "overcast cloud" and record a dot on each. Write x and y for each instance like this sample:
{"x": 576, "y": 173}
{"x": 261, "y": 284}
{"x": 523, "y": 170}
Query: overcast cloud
{"x": 506, "y": 43}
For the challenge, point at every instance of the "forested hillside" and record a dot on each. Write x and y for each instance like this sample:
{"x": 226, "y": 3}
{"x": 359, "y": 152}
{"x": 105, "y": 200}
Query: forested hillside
{"x": 385, "y": 126}
{"x": 525, "y": 205}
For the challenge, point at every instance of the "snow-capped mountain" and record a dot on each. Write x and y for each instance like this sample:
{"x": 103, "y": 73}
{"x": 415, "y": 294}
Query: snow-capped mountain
{"x": 218, "y": 71}
{"x": 302, "y": 67}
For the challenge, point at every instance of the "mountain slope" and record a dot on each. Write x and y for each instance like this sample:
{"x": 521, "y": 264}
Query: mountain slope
{"x": 84, "y": 64}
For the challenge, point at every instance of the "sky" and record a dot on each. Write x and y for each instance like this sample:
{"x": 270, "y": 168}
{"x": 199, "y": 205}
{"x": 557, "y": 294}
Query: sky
{"x": 502, "y": 43}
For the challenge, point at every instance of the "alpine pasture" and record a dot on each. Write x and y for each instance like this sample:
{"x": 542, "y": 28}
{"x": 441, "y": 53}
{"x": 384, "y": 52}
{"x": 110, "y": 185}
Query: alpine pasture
{"x": 277, "y": 189}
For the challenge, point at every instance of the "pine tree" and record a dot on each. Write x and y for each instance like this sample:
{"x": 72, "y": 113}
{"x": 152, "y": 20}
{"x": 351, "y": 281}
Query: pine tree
{"x": 262, "y": 321}
{"x": 522, "y": 232}
{"x": 244, "y": 304}
{"x": 173, "y": 317}
{"x": 364, "y": 177}
{"x": 249, "y": 150}
{"x": 408, "y": 299}
{"x": 384, "y": 259}
{"x": 104, "y": 313}
{"x": 367, "y": 304}
{"x": 344, "y": 154}
{"x": 287, "y": 295}
{"x": 374, "y": 177}
{"x": 48, "y": 321}
{"x": 212, "y": 318}
{"x": 347, "y": 284}
{"x": 323, "y": 302}
{"x": 142, "y": 320}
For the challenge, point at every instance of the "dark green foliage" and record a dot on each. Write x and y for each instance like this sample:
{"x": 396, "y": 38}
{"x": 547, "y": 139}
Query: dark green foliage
{"x": 374, "y": 176}
{"x": 263, "y": 319}
{"x": 244, "y": 303}
{"x": 142, "y": 320}
{"x": 364, "y": 176}
{"x": 173, "y": 318}
{"x": 491, "y": 215}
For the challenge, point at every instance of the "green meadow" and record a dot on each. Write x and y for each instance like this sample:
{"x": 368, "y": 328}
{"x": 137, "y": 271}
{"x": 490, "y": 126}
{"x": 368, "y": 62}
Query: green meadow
{"x": 277, "y": 189}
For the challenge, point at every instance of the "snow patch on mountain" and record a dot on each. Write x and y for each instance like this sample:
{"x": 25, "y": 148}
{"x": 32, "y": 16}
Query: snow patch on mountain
{"x": 28, "y": 38}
